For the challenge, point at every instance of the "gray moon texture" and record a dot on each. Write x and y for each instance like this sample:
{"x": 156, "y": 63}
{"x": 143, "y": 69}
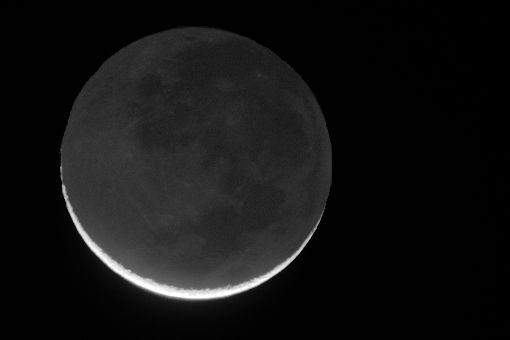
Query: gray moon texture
{"x": 196, "y": 163}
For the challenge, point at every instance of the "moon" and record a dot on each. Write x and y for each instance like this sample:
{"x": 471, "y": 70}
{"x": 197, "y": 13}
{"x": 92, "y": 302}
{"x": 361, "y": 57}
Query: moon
{"x": 196, "y": 163}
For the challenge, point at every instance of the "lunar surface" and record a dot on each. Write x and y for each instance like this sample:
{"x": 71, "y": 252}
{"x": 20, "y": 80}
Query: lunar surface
{"x": 196, "y": 163}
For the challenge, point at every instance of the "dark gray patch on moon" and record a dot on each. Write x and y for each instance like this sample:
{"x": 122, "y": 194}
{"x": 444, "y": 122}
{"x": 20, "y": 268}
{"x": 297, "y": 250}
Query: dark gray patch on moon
{"x": 198, "y": 163}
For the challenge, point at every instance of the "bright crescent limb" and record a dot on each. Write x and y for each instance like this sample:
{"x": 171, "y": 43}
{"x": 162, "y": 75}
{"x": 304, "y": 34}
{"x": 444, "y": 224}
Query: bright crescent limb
{"x": 172, "y": 291}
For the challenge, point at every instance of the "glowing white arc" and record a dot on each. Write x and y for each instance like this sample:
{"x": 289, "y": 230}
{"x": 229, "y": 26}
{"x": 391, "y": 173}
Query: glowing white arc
{"x": 172, "y": 291}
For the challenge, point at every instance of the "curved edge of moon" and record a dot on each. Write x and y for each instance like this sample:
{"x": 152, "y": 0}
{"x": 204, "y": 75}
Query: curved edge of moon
{"x": 173, "y": 291}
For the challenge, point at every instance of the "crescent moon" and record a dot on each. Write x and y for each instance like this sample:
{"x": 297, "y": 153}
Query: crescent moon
{"x": 162, "y": 140}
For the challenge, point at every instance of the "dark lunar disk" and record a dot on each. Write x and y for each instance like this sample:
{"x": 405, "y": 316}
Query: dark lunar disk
{"x": 196, "y": 159}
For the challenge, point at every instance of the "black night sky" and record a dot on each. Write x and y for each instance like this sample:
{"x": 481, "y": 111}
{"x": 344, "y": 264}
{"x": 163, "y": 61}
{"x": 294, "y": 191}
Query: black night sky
{"x": 411, "y": 240}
